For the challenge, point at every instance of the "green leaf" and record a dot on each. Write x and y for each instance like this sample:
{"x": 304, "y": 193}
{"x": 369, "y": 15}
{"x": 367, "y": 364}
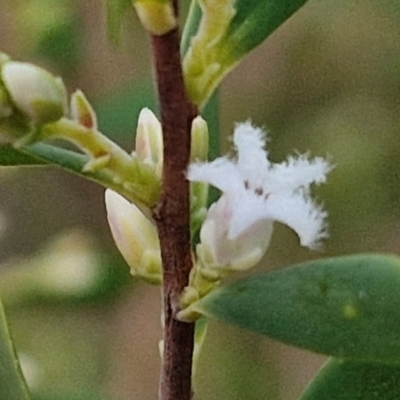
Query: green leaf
{"x": 344, "y": 306}
{"x": 66, "y": 159}
{"x": 354, "y": 380}
{"x": 116, "y": 10}
{"x": 227, "y": 32}
{"x": 12, "y": 384}
{"x": 254, "y": 21}
{"x": 40, "y": 154}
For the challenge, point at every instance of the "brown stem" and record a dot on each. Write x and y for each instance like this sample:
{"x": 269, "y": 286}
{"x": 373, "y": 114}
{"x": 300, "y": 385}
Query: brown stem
{"x": 172, "y": 215}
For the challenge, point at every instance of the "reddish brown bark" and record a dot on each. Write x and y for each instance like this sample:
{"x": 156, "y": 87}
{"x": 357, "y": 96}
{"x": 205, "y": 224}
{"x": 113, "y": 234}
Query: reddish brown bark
{"x": 172, "y": 215}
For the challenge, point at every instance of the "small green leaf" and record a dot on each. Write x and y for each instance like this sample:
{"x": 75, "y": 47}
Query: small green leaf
{"x": 40, "y": 154}
{"x": 354, "y": 380}
{"x": 344, "y": 306}
{"x": 116, "y": 10}
{"x": 48, "y": 154}
{"x": 254, "y": 21}
{"x": 43, "y": 154}
{"x": 226, "y": 32}
{"x": 12, "y": 383}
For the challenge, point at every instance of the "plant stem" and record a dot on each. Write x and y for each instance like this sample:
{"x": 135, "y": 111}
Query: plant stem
{"x": 172, "y": 215}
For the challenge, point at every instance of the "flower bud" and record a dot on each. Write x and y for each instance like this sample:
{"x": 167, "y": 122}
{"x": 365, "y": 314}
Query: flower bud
{"x": 149, "y": 141}
{"x": 199, "y": 147}
{"x": 37, "y": 94}
{"x": 198, "y": 190}
{"x": 157, "y": 16}
{"x": 135, "y": 236}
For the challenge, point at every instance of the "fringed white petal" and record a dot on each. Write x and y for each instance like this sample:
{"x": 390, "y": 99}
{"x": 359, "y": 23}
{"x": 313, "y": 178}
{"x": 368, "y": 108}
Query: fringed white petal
{"x": 301, "y": 214}
{"x": 297, "y": 173}
{"x": 252, "y": 159}
{"x": 221, "y": 173}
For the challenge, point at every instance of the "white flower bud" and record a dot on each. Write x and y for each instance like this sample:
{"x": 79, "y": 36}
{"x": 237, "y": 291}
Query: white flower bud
{"x": 149, "y": 140}
{"x": 135, "y": 236}
{"x": 36, "y": 93}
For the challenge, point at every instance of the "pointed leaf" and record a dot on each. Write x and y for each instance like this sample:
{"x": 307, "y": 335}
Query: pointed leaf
{"x": 48, "y": 154}
{"x": 40, "y": 154}
{"x": 344, "y": 306}
{"x": 354, "y": 380}
{"x": 255, "y": 20}
{"x": 12, "y": 384}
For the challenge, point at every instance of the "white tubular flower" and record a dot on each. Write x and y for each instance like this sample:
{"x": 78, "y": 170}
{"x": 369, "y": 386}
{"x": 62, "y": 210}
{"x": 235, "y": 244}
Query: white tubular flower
{"x": 255, "y": 192}
{"x": 135, "y": 236}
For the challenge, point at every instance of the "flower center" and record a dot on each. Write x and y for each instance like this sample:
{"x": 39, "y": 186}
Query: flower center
{"x": 259, "y": 191}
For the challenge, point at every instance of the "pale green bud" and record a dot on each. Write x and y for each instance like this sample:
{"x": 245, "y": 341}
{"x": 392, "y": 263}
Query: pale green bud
{"x": 135, "y": 236}
{"x": 157, "y": 16}
{"x": 198, "y": 190}
{"x": 199, "y": 146}
{"x": 36, "y": 93}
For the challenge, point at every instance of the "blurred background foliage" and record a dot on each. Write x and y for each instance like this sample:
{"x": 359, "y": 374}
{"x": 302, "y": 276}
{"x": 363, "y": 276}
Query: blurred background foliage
{"x": 327, "y": 82}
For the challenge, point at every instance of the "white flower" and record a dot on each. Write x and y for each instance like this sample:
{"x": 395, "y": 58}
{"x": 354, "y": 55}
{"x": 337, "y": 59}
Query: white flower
{"x": 255, "y": 192}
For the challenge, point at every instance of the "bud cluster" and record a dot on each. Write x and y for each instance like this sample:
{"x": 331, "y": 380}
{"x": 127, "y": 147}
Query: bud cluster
{"x": 133, "y": 230}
